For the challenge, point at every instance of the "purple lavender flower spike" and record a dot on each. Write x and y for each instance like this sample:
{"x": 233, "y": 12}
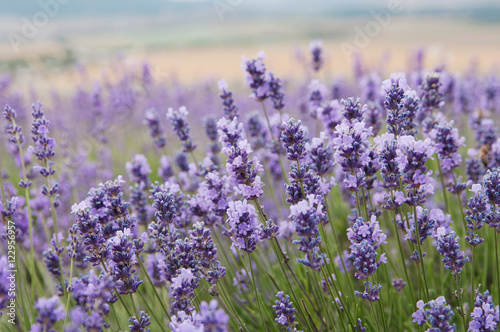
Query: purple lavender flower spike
{"x": 485, "y": 316}
{"x": 432, "y": 98}
{"x": 492, "y": 185}
{"x": 244, "y": 225}
{"x": 230, "y": 109}
{"x": 275, "y": 92}
{"x": 214, "y": 319}
{"x": 50, "y": 312}
{"x": 477, "y": 215}
{"x": 447, "y": 144}
{"x": 316, "y": 49}
{"x": 293, "y": 138}
{"x": 365, "y": 239}
{"x": 152, "y": 120}
{"x": 141, "y": 324}
{"x": 306, "y": 215}
{"x": 182, "y": 290}
{"x": 285, "y": 311}
{"x": 399, "y": 284}
{"x": 370, "y": 293}
{"x": 317, "y": 93}
{"x": 448, "y": 246}
{"x": 437, "y": 313}
{"x": 256, "y": 76}
{"x": 178, "y": 119}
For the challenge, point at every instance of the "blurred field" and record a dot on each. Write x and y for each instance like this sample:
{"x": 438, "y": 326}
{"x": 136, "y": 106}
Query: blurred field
{"x": 213, "y": 49}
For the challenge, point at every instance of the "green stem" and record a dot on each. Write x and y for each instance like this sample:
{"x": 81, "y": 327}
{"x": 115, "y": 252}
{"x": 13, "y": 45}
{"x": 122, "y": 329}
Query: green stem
{"x": 441, "y": 175}
{"x": 255, "y": 289}
{"x": 68, "y": 293}
{"x": 30, "y": 220}
{"x": 134, "y": 307}
{"x": 152, "y": 286}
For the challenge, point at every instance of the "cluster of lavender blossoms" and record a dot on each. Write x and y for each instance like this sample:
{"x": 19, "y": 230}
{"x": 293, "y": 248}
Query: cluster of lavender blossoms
{"x": 200, "y": 233}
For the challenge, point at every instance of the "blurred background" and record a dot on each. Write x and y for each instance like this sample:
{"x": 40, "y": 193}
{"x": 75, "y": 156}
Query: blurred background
{"x": 197, "y": 40}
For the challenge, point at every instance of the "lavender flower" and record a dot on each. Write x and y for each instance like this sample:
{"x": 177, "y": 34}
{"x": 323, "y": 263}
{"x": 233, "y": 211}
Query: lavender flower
{"x": 256, "y": 76}
{"x": 181, "y": 127}
{"x": 292, "y": 138}
{"x": 182, "y": 290}
{"x": 141, "y": 324}
{"x": 122, "y": 261}
{"x": 447, "y": 144}
{"x": 230, "y": 109}
{"x": 50, "y": 312}
{"x": 244, "y": 171}
{"x": 152, "y": 120}
{"x": 477, "y": 214}
{"x": 93, "y": 295}
{"x": 275, "y": 92}
{"x": 436, "y": 313}
{"x": 244, "y": 227}
{"x": 351, "y": 152}
{"x": 285, "y": 311}
{"x": 399, "y": 284}
{"x": 306, "y": 215}
{"x": 492, "y": 185}
{"x": 370, "y": 293}
{"x": 485, "y": 315}
{"x": 432, "y": 98}
{"x": 365, "y": 239}
{"x": 448, "y": 246}
{"x": 316, "y": 49}
{"x": 213, "y": 319}
{"x": 321, "y": 155}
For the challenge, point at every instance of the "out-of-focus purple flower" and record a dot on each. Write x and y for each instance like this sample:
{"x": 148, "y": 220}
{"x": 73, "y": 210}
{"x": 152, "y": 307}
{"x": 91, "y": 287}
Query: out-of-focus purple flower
{"x": 275, "y": 92}
{"x": 178, "y": 119}
{"x": 152, "y": 120}
{"x": 213, "y": 319}
{"x": 437, "y": 313}
{"x": 165, "y": 170}
{"x": 317, "y": 93}
{"x": 182, "y": 322}
{"x": 399, "y": 284}
{"x": 230, "y": 132}
{"x": 316, "y": 49}
{"x": 230, "y": 109}
{"x": 331, "y": 114}
{"x": 432, "y": 98}
{"x": 256, "y": 76}
{"x": 50, "y": 312}
{"x": 447, "y": 144}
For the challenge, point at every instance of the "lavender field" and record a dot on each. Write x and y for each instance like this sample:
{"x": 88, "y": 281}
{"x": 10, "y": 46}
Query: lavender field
{"x": 299, "y": 201}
